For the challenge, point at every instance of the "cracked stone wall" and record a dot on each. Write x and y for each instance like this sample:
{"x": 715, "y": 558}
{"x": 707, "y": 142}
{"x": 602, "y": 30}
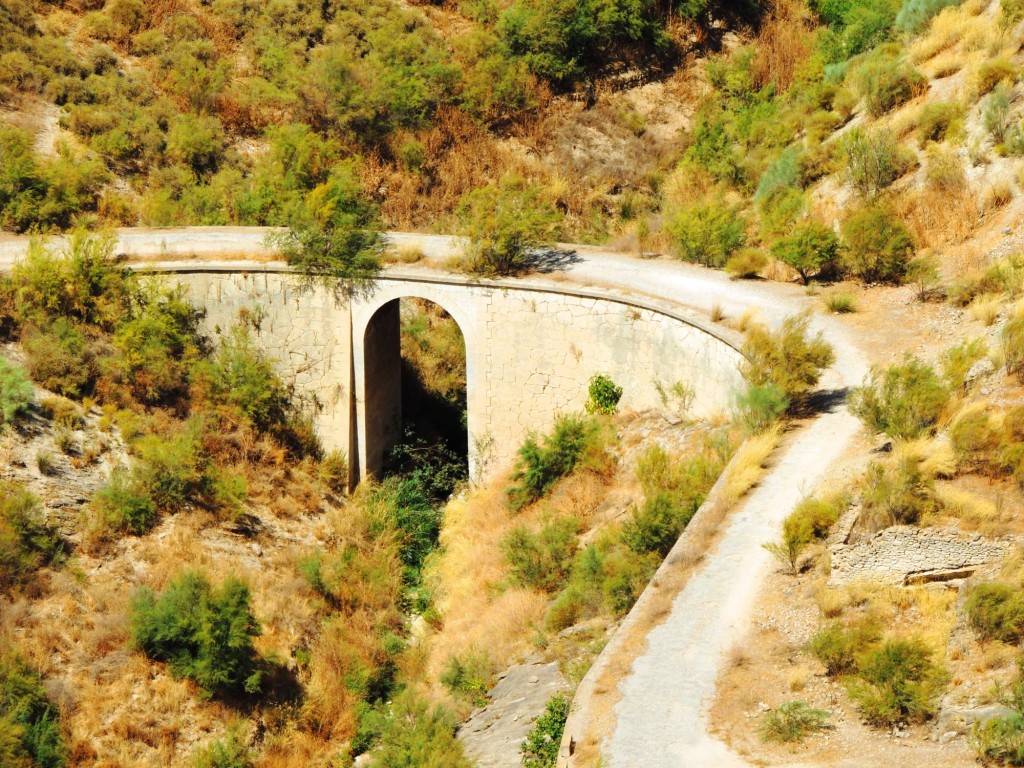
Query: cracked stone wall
{"x": 904, "y": 555}
{"x": 530, "y": 353}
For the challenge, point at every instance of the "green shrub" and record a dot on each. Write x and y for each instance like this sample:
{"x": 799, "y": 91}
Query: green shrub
{"x": 59, "y": 359}
{"x": 707, "y": 232}
{"x": 975, "y": 439}
{"x": 30, "y": 732}
{"x": 996, "y": 611}
{"x": 746, "y": 263}
{"x": 937, "y": 120}
{"x": 541, "y": 464}
{"x": 333, "y": 471}
{"x": 240, "y": 375}
{"x": 792, "y": 722}
{"x": 603, "y": 395}
{"x": 903, "y": 401}
{"x": 874, "y": 160}
{"x": 923, "y": 273}
{"x": 26, "y": 541}
{"x": 898, "y": 682}
{"x": 993, "y": 72}
{"x": 16, "y": 391}
{"x": 837, "y": 646}
{"x": 416, "y": 735}
{"x": 914, "y": 15}
{"x": 810, "y": 520}
{"x": 958, "y": 360}
{"x": 502, "y": 224}
{"x": 761, "y": 407}
{"x": 1011, "y": 11}
{"x": 995, "y": 113}
{"x": 542, "y": 559}
{"x": 401, "y": 507}
{"x": 171, "y": 470}
{"x": 886, "y": 82}
{"x": 469, "y": 676}
{"x": 202, "y": 632}
{"x": 229, "y": 752}
{"x": 540, "y": 750}
{"x": 655, "y": 526}
{"x": 123, "y": 506}
{"x": 812, "y": 249}
{"x": 789, "y": 358}
{"x": 878, "y": 245}
{"x": 898, "y": 495}
{"x": 1000, "y": 739}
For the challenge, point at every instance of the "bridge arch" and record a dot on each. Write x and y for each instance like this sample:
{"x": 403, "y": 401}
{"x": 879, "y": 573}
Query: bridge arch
{"x": 377, "y": 375}
{"x": 383, "y": 389}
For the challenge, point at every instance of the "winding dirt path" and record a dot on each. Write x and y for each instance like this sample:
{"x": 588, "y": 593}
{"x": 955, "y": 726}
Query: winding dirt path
{"x": 661, "y": 715}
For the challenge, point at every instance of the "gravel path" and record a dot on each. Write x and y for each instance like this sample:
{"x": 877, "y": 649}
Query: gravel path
{"x": 661, "y": 717}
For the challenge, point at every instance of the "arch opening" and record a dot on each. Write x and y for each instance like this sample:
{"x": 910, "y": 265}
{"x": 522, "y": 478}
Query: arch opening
{"x": 416, "y": 394}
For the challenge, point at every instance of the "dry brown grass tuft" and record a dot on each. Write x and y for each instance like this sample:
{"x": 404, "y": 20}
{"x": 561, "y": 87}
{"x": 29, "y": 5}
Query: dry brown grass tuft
{"x": 748, "y": 465}
{"x": 785, "y": 40}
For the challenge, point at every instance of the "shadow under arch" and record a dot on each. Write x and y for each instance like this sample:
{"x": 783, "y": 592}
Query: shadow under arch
{"x": 400, "y": 404}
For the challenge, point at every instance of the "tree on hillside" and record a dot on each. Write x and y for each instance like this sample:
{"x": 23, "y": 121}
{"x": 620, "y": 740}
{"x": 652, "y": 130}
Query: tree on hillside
{"x": 338, "y": 234}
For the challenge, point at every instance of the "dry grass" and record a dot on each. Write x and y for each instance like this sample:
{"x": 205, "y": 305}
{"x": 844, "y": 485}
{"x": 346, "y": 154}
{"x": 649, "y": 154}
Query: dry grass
{"x": 997, "y": 195}
{"x": 935, "y": 457}
{"x": 748, "y": 465}
{"x": 985, "y": 308}
{"x": 974, "y": 511}
{"x": 784, "y": 42}
{"x": 945, "y": 211}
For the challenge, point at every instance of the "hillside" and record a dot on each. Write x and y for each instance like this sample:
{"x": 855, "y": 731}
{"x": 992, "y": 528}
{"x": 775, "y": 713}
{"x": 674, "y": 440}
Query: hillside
{"x": 861, "y": 159}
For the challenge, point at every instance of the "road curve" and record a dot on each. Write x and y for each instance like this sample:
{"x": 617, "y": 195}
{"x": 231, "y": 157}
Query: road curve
{"x": 660, "y": 720}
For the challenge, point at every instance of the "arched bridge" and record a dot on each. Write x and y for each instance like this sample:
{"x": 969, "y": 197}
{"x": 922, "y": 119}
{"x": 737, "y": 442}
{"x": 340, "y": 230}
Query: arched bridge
{"x": 531, "y": 350}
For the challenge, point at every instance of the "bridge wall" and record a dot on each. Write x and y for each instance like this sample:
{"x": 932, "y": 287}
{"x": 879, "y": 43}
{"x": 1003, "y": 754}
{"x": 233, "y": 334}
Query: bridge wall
{"x": 530, "y": 354}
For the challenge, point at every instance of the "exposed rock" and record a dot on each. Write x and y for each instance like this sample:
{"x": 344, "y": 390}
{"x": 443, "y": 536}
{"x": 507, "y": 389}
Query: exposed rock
{"x": 493, "y": 735}
{"x": 960, "y": 721}
{"x": 982, "y": 369}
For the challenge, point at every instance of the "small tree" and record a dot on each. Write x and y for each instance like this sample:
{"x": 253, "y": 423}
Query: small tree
{"x": 604, "y": 395}
{"x": 15, "y": 391}
{"x": 707, "y": 233}
{"x": 904, "y": 400}
{"x": 340, "y": 233}
{"x": 812, "y": 249}
{"x": 203, "y": 632}
{"x": 540, "y": 750}
{"x": 502, "y": 224}
{"x": 788, "y": 358}
{"x": 878, "y": 245}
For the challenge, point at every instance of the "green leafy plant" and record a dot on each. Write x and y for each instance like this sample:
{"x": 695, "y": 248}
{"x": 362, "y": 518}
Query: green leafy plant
{"x": 16, "y": 391}
{"x": 760, "y": 407}
{"x": 897, "y": 682}
{"x": 788, "y": 358}
{"x": 469, "y": 676}
{"x": 30, "y": 731}
{"x": 228, "y": 752}
{"x": 904, "y": 400}
{"x": 122, "y": 505}
{"x": 792, "y": 722}
{"x": 746, "y": 263}
{"x": 707, "y": 233}
{"x": 812, "y": 249}
{"x": 886, "y": 81}
{"x": 603, "y": 395}
{"x": 540, "y": 750}
{"x": 874, "y": 160}
{"x": 900, "y": 494}
{"x": 996, "y": 611}
{"x": 27, "y": 542}
{"x": 201, "y": 631}
{"x": 878, "y": 245}
{"x": 541, "y": 463}
{"x": 837, "y": 646}
{"x": 503, "y": 224}
{"x": 542, "y": 559}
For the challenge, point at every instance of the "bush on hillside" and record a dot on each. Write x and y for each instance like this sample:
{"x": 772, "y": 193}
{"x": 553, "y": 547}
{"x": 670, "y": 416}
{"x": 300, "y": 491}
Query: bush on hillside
{"x": 788, "y": 358}
{"x": 16, "y": 392}
{"x": 603, "y": 395}
{"x": 123, "y": 505}
{"x": 27, "y": 542}
{"x": 811, "y": 520}
{"x": 416, "y": 734}
{"x": 878, "y": 245}
{"x": 542, "y": 559}
{"x": 837, "y": 646}
{"x": 707, "y": 233}
{"x": 898, "y": 682}
{"x": 1012, "y": 340}
{"x": 30, "y": 732}
{"x": 993, "y": 72}
{"x": 812, "y": 249}
{"x": 904, "y": 400}
{"x": 202, "y": 632}
{"x": 938, "y": 120}
{"x": 996, "y": 611}
{"x": 874, "y": 159}
{"x": 886, "y": 81}
{"x": 792, "y": 722}
{"x": 540, "y": 750}
{"x": 228, "y": 752}
{"x": 502, "y": 224}
{"x": 900, "y": 494}
{"x": 914, "y": 15}
{"x": 760, "y": 407}
{"x": 575, "y": 440}
{"x": 656, "y": 525}
{"x": 746, "y": 263}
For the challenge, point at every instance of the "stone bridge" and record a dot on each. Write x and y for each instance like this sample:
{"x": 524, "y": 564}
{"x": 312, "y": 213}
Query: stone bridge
{"x": 530, "y": 352}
